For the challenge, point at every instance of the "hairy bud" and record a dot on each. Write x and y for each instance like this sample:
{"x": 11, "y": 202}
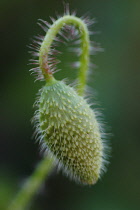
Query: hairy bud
{"x": 71, "y": 131}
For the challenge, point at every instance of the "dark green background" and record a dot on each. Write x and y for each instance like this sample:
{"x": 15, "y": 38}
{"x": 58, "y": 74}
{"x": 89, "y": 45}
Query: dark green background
{"x": 116, "y": 81}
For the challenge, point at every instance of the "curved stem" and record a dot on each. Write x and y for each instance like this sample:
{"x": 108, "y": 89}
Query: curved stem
{"x": 84, "y": 57}
{"x": 32, "y": 184}
{"x": 45, "y": 166}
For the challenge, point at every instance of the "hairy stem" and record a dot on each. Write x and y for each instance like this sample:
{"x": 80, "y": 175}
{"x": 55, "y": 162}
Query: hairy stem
{"x": 32, "y": 184}
{"x": 84, "y": 57}
{"x": 45, "y": 166}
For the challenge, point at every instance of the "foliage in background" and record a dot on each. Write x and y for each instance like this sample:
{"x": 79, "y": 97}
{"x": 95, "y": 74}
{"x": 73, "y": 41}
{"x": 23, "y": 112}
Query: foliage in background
{"x": 117, "y": 82}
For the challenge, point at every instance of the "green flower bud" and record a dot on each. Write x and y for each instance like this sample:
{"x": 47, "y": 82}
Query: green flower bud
{"x": 65, "y": 124}
{"x": 71, "y": 131}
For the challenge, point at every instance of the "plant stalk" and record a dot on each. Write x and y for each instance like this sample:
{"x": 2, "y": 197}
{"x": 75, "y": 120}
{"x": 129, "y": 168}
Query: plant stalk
{"x": 32, "y": 184}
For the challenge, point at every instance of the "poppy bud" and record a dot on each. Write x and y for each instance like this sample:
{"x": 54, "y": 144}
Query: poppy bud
{"x": 71, "y": 131}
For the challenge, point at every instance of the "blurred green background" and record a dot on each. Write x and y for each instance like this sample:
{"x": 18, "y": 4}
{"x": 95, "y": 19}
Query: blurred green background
{"x": 116, "y": 81}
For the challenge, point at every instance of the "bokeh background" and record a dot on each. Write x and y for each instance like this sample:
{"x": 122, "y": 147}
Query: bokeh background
{"x": 116, "y": 80}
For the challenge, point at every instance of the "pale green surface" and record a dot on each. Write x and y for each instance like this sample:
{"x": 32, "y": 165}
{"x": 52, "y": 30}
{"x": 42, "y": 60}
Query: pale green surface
{"x": 71, "y": 132}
